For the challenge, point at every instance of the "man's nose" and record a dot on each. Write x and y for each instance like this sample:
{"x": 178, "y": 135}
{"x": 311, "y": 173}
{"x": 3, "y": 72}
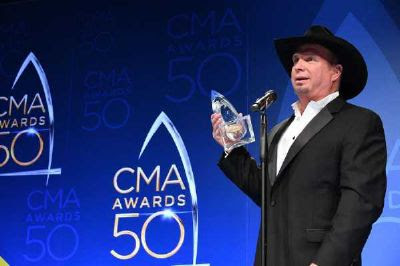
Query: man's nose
{"x": 299, "y": 65}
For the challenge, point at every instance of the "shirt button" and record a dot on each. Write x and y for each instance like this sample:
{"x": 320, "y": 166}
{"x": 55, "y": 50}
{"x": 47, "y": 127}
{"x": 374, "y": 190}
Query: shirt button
{"x": 273, "y": 203}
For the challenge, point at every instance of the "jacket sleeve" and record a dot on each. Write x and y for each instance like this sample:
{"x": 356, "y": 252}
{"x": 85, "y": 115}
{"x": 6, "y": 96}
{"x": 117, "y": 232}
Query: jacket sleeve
{"x": 362, "y": 187}
{"x": 242, "y": 170}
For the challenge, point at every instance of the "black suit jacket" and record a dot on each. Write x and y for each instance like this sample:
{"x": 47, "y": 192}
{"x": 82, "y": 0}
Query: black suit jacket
{"x": 329, "y": 191}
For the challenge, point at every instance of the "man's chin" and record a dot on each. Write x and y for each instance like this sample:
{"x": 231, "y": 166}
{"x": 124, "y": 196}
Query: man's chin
{"x": 301, "y": 91}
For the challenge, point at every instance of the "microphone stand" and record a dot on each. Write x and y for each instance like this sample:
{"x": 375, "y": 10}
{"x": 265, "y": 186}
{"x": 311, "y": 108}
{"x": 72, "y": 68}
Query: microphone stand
{"x": 261, "y": 106}
{"x": 264, "y": 176}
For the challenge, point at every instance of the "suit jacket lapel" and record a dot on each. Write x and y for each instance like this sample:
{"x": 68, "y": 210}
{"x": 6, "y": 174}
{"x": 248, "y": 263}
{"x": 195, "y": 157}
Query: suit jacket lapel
{"x": 315, "y": 125}
{"x": 273, "y": 139}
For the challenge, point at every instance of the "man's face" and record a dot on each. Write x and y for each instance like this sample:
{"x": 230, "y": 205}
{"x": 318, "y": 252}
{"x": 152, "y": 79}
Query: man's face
{"x": 313, "y": 75}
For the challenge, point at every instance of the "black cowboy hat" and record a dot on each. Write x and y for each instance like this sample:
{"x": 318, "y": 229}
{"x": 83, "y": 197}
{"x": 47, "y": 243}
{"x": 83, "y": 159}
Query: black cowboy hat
{"x": 355, "y": 73}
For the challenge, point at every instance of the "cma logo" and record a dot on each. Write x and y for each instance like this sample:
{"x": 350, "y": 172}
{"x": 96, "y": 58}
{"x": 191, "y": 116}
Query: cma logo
{"x": 29, "y": 116}
{"x": 159, "y": 180}
{"x": 189, "y": 25}
{"x": 25, "y": 105}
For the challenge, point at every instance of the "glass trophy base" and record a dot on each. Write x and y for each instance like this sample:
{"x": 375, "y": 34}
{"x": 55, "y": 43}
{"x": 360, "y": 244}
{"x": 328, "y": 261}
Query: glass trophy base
{"x": 237, "y": 133}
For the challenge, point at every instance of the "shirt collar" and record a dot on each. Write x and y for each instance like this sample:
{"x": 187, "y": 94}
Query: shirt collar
{"x": 316, "y": 105}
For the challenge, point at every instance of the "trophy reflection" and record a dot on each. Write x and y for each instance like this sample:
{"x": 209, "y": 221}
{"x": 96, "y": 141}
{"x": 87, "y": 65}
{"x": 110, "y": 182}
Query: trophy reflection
{"x": 236, "y": 130}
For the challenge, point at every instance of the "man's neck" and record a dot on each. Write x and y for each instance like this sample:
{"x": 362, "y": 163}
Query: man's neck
{"x": 302, "y": 104}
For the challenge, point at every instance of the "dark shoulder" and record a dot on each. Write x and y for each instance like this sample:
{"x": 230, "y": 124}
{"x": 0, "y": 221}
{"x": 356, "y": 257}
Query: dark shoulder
{"x": 359, "y": 115}
{"x": 352, "y": 109}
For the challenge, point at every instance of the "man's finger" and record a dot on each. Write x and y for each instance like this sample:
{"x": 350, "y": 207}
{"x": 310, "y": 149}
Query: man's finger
{"x": 215, "y": 117}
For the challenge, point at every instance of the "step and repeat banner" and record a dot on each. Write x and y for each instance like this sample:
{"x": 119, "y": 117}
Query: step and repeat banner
{"x": 106, "y": 153}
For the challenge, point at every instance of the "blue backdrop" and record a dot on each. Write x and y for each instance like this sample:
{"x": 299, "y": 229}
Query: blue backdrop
{"x": 106, "y": 154}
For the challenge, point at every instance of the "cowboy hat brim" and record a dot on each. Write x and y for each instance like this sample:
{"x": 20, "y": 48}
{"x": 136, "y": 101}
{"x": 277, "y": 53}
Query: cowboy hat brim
{"x": 355, "y": 73}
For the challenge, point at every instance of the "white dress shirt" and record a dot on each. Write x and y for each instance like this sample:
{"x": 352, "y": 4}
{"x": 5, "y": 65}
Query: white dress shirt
{"x": 299, "y": 122}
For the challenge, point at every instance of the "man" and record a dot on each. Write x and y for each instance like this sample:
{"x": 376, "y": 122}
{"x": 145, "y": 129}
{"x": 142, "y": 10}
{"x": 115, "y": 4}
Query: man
{"x": 326, "y": 163}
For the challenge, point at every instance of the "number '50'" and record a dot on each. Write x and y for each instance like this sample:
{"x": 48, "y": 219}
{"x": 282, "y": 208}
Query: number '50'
{"x": 192, "y": 82}
{"x": 11, "y": 151}
{"x": 143, "y": 235}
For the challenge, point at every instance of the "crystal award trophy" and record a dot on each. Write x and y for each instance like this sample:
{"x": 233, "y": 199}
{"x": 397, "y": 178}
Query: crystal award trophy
{"x": 236, "y": 130}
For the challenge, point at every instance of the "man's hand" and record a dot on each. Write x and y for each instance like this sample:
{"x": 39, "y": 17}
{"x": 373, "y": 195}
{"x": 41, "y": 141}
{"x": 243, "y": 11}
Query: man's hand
{"x": 216, "y": 121}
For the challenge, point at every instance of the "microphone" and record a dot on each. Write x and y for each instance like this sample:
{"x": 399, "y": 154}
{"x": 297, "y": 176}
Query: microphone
{"x": 265, "y": 101}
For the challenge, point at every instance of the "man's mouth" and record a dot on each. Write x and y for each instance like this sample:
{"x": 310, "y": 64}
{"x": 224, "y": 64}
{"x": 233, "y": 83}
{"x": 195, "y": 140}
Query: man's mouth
{"x": 301, "y": 78}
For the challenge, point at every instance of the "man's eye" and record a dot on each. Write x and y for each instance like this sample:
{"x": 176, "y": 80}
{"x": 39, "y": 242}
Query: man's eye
{"x": 309, "y": 58}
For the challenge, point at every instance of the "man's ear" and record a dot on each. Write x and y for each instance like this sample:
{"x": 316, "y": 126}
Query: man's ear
{"x": 338, "y": 70}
